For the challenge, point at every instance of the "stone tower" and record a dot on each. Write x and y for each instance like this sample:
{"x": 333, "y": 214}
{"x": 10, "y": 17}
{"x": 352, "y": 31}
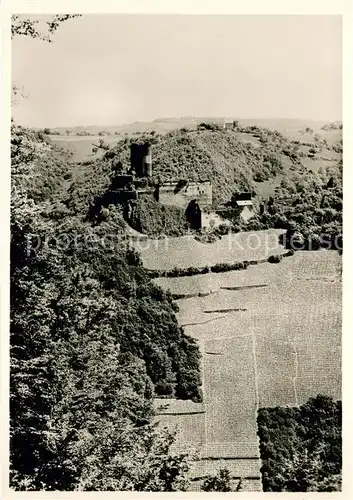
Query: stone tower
{"x": 147, "y": 161}
{"x": 141, "y": 160}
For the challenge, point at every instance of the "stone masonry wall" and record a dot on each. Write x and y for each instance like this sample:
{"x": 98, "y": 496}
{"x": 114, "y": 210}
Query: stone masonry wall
{"x": 174, "y": 194}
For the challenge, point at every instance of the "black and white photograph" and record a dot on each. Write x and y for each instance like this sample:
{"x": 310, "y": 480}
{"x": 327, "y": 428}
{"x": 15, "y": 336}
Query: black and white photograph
{"x": 175, "y": 253}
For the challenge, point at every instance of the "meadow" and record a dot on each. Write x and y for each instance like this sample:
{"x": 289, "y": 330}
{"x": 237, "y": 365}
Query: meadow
{"x": 81, "y": 146}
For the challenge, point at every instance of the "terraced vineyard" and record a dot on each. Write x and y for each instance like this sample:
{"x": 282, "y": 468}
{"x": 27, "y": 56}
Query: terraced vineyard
{"x": 185, "y": 251}
{"x": 270, "y": 335}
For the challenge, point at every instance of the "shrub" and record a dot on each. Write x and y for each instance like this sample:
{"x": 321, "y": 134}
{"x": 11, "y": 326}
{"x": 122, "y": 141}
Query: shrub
{"x": 208, "y": 126}
{"x": 274, "y": 259}
{"x": 290, "y": 253}
{"x": 220, "y": 482}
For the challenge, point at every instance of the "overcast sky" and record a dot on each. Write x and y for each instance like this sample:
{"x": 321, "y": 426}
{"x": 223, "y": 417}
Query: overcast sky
{"x": 109, "y": 70}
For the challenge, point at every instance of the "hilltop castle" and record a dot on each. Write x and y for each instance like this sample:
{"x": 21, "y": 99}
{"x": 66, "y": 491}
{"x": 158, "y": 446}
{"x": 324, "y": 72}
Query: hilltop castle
{"x": 191, "y": 196}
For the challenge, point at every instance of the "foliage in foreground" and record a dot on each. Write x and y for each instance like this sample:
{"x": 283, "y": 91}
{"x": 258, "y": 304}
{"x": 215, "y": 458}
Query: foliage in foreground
{"x": 220, "y": 482}
{"x": 301, "y": 448}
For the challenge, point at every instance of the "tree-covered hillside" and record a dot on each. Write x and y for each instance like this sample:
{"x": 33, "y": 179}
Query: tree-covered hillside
{"x": 92, "y": 340}
{"x": 310, "y": 206}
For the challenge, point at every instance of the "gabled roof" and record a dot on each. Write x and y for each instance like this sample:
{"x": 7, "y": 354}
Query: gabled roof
{"x": 244, "y": 203}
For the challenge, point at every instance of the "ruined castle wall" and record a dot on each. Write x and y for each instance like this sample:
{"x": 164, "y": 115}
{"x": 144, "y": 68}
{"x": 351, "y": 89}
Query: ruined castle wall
{"x": 170, "y": 194}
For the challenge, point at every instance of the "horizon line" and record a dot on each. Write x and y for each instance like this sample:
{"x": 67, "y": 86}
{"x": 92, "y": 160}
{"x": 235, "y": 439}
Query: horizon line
{"x": 185, "y": 117}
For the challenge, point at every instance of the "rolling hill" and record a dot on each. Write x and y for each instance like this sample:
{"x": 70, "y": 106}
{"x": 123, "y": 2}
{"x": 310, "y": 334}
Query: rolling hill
{"x": 72, "y": 138}
{"x": 249, "y": 157}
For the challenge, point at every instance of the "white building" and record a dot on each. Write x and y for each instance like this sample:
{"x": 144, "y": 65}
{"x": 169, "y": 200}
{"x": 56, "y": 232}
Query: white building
{"x": 246, "y": 209}
{"x": 228, "y": 124}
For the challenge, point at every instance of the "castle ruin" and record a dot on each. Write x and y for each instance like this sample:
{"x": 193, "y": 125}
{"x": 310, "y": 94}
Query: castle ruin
{"x": 191, "y": 196}
{"x": 180, "y": 192}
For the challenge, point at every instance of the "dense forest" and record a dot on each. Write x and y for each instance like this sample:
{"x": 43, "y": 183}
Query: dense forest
{"x": 92, "y": 340}
{"x": 301, "y": 448}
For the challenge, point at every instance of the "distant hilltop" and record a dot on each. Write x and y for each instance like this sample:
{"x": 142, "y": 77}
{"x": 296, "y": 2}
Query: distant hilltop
{"x": 166, "y": 124}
